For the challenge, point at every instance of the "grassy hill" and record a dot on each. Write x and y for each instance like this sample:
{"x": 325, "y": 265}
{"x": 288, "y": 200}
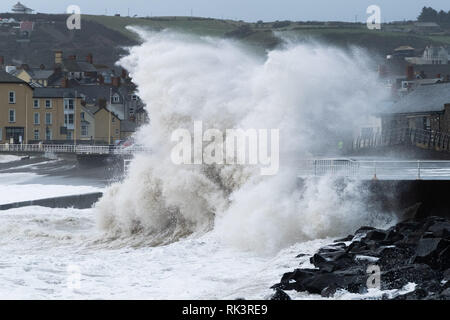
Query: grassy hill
{"x": 105, "y": 36}
{"x": 265, "y": 34}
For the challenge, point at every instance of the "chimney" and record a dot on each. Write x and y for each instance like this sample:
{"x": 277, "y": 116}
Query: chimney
{"x": 72, "y": 57}
{"x": 410, "y": 72}
{"x": 65, "y": 83}
{"x": 438, "y": 76}
{"x": 102, "y": 103}
{"x": 42, "y": 67}
{"x": 124, "y": 73}
{"x": 90, "y": 58}
{"x": 57, "y": 69}
{"x": 2, "y": 60}
{"x": 58, "y": 56}
{"x": 101, "y": 79}
{"x": 116, "y": 82}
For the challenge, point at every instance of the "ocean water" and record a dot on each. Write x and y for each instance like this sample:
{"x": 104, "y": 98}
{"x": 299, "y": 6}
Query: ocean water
{"x": 62, "y": 254}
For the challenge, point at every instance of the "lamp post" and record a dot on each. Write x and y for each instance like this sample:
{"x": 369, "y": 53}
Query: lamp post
{"x": 109, "y": 124}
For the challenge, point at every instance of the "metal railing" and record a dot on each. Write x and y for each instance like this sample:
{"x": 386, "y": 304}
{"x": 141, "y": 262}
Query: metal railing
{"x": 76, "y": 149}
{"x": 427, "y": 139}
{"x": 376, "y": 169}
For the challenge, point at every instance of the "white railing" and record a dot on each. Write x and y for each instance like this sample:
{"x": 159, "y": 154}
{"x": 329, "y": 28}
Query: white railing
{"x": 377, "y": 169}
{"x": 67, "y": 148}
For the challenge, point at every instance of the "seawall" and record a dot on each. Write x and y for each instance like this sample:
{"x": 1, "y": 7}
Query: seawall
{"x": 79, "y": 201}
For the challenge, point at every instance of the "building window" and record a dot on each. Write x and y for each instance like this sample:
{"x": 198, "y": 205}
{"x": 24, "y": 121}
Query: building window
{"x": 68, "y": 119}
{"x": 12, "y": 97}
{"x": 82, "y": 115}
{"x": 37, "y": 118}
{"x": 117, "y": 132}
{"x": 48, "y": 134}
{"x": 12, "y": 115}
{"x": 48, "y": 118}
{"x": 35, "y": 103}
{"x": 116, "y": 98}
{"x": 84, "y": 131}
{"x": 113, "y": 119}
{"x": 69, "y": 135}
{"x": 68, "y": 104}
{"x": 48, "y": 104}
{"x": 36, "y": 134}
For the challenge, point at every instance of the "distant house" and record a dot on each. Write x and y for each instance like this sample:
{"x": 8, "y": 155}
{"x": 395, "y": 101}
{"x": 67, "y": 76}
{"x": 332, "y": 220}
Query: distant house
{"x": 426, "y": 27}
{"x": 20, "y": 8}
{"x": 403, "y": 52}
{"x": 431, "y": 55}
{"x": 426, "y": 108}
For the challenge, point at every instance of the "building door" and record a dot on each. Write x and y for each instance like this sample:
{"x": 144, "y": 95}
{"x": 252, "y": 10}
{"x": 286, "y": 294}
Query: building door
{"x": 15, "y": 133}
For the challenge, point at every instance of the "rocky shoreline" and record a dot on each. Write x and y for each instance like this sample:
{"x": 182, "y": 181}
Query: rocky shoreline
{"x": 411, "y": 252}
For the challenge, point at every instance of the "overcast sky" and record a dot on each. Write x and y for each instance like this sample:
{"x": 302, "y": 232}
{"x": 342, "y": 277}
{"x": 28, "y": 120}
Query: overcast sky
{"x": 248, "y": 10}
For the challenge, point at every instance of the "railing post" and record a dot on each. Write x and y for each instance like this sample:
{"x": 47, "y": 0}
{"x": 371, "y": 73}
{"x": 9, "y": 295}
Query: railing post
{"x": 375, "y": 170}
{"x": 418, "y": 169}
{"x": 315, "y": 168}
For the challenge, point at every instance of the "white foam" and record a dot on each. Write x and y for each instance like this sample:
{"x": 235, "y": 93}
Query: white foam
{"x": 312, "y": 93}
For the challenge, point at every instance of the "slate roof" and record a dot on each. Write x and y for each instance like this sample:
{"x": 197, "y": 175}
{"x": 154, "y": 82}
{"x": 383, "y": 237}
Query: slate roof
{"x": 5, "y": 77}
{"x": 39, "y": 74}
{"x": 78, "y": 66}
{"x": 426, "y": 98}
{"x": 54, "y": 93}
{"x": 94, "y": 93}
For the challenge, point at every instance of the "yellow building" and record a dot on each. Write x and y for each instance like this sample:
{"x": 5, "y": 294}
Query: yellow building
{"x": 15, "y": 102}
{"x": 56, "y": 115}
{"x": 107, "y": 126}
{"x": 30, "y": 115}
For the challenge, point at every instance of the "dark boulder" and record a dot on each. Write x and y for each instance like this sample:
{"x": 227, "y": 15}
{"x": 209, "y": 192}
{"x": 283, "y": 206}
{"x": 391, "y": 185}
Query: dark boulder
{"x": 396, "y": 278}
{"x": 280, "y": 295}
{"x": 346, "y": 239}
{"x": 376, "y": 235}
{"x": 364, "y": 229}
{"x": 432, "y": 251}
{"x": 413, "y": 251}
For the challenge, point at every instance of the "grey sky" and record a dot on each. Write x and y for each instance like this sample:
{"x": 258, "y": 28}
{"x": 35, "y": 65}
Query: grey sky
{"x": 248, "y": 10}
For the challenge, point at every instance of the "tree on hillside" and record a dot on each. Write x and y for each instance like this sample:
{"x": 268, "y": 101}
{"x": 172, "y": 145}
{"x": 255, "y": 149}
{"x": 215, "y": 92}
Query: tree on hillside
{"x": 428, "y": 14}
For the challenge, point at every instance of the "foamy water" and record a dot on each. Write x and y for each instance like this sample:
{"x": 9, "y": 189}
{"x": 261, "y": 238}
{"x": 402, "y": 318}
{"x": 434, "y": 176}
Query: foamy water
{"x": 39, "y": 245}
{"x": 312, "y": 93}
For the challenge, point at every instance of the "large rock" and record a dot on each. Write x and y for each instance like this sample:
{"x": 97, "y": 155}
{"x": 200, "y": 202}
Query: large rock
{"x": 433, "y": 252}
{"x": 280, "y": 295}
{"x": 411, "y": 252}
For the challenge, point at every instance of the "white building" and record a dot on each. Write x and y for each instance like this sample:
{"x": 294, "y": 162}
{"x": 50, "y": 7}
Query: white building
{"x": 431, "y": 55}
{"x": 20, "y": 8}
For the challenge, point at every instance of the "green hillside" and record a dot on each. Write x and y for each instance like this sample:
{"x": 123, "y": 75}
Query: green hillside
{"x": 266, "y": 34}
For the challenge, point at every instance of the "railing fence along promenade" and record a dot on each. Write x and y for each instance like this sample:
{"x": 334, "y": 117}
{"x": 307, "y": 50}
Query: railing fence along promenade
{"x": 376, "y": 169}
{"x": 75, "y": 149}
{"x": 425, "y": 139}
